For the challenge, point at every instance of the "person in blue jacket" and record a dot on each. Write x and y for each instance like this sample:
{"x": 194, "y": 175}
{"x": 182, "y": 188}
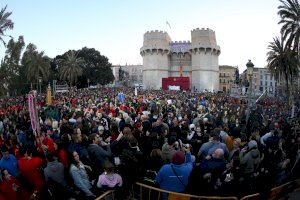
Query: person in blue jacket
{"x": 9, "y": 162}
{"x": 174, "y": 176}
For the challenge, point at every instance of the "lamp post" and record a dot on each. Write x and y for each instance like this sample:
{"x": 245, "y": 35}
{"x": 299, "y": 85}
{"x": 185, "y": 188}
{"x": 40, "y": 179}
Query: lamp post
{"x": 54, "y": 86}
{"x": 250, "y": 67}
{"x": 40, "y": 84}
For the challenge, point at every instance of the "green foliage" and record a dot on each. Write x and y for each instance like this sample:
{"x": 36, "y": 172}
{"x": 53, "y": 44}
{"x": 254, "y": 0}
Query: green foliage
{"x": 36, "y": 64}
{"x": 5, "y": 23}
{"x": 70, "y": 67}
{"x": 10, "y": 66}
{"x": 123, "y": 76}
{"x": 283, "y": 55}
{"x": 98, "y": 69}
{"x": 289, "y": 13}
{"x": 282, "y": 61}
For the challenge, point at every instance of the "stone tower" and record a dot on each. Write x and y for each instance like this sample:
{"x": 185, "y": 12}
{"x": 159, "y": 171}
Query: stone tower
{"x": 155, "y": 53}
{"x": 197, "y": 59}
{"x": 205, "y": 65}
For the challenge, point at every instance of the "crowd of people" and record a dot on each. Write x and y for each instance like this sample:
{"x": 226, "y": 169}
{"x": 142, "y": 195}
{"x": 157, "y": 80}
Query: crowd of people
{"x": 90, "y": 140}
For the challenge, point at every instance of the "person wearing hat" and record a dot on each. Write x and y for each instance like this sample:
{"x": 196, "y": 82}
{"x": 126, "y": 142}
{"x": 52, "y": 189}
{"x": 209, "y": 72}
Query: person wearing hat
{"x": 174, "y": 176}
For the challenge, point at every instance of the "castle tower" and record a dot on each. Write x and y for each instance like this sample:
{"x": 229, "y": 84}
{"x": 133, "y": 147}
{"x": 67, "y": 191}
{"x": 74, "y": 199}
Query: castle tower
{"x": 205, "y": 64}
{"x": 155, "y": 50}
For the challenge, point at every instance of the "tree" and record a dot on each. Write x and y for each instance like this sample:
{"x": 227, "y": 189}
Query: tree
{"x": 5, "y": 23}
{"x": 36, "y": 64}
{"x": 98, "y": 69}
{"x": 283, "y": 62}
{"x": 289, "y": 12}
{"x": 70, "y": 67}
{"x": 10, "y": 65}
{"x": 123, "y": 76}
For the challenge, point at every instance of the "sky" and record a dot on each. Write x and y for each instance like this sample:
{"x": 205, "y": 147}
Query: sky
{"x": 115, "y": 28}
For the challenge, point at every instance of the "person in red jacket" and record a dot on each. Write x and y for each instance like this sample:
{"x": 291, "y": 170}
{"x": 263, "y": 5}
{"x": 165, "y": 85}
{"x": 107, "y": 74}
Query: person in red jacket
{"x": 45, "y": 143}
{"x": 11, "y": 187}
{"x": 30, "y": 169}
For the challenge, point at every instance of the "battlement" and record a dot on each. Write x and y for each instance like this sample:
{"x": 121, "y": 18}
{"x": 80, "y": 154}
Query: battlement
{"x": 181, "y": 42}
{"x": 203, "y": 30}
{"x": 203, "y": 36}
{"x": 156, "y": 38}
{"x": 155, "y": 32}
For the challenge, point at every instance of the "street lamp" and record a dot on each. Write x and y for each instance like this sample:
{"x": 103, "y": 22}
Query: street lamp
{"x": 250, "y": 67}
{"x": 54, "y": 86}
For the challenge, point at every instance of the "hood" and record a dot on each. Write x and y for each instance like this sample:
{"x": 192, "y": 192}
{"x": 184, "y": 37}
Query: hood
{"x": 255, "y": 153}
{"x": 53, "y": 166}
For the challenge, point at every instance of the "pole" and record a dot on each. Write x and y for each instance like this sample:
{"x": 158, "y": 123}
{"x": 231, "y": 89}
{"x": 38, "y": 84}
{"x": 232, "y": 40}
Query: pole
{"x": 250, "y": 91}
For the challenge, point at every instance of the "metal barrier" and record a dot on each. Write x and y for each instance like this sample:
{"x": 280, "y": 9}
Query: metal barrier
{"x": 146, "y": 192}
{"x": 110, "y": 194}
{"x": 255, "y": 196}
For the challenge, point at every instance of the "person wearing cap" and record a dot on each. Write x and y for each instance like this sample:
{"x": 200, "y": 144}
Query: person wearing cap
{"x": 174, "y": 176}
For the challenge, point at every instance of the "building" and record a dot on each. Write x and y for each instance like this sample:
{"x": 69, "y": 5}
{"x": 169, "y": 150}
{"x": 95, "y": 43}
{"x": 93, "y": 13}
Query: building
{"x": 266, "y": 81}
{"x": 132, "y": 74}
{"x": 197, "y": 60}
{"x": 262, "y": 81}
{"x": 227, "y": 78}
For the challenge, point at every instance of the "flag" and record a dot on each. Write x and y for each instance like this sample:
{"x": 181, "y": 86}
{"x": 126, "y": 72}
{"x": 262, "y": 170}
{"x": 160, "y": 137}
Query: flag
{"x": 168, "y": 24}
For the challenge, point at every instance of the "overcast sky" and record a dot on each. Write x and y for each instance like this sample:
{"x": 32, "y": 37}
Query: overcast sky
{"x": 115, "y": 28}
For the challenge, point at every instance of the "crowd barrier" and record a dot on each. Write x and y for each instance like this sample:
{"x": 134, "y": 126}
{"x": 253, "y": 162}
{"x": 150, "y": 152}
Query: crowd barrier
{"x": 146, "y": 192}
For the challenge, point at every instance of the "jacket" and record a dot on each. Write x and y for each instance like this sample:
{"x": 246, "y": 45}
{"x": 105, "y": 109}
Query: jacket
{"x": 98, "y": 155}
{"x": 81, "y": 179}
{"x": 167, "y": 179}
{"x": 55, "y": 172}
{"x": 250, "y": 160}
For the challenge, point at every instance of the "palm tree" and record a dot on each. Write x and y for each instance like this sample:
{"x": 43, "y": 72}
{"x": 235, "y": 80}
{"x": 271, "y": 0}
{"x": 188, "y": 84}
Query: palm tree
{"x": 5, "y": 23}
{"x": 70, "y": 67}
{"x": 283, "y": 62}
{"x": 289, "y": 12}
{"x": 36, "y": 63}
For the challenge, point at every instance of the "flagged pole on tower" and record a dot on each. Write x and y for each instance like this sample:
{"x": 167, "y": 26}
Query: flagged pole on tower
{"x": 168, "y": 24}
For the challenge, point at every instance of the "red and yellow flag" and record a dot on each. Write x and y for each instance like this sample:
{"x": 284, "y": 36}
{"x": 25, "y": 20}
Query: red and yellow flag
{"x": 180, "y": 71}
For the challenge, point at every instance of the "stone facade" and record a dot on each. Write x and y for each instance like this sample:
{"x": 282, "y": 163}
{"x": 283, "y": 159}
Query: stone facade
{"x": 227, "y": 78}
{"x": 197, "y": 58}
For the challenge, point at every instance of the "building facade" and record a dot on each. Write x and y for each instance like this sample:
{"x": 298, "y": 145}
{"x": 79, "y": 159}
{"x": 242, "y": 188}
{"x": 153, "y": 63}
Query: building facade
{"x": 196, "y": 59}
{"x": 262, "y": 81}
{"x": 227, "y": 78}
